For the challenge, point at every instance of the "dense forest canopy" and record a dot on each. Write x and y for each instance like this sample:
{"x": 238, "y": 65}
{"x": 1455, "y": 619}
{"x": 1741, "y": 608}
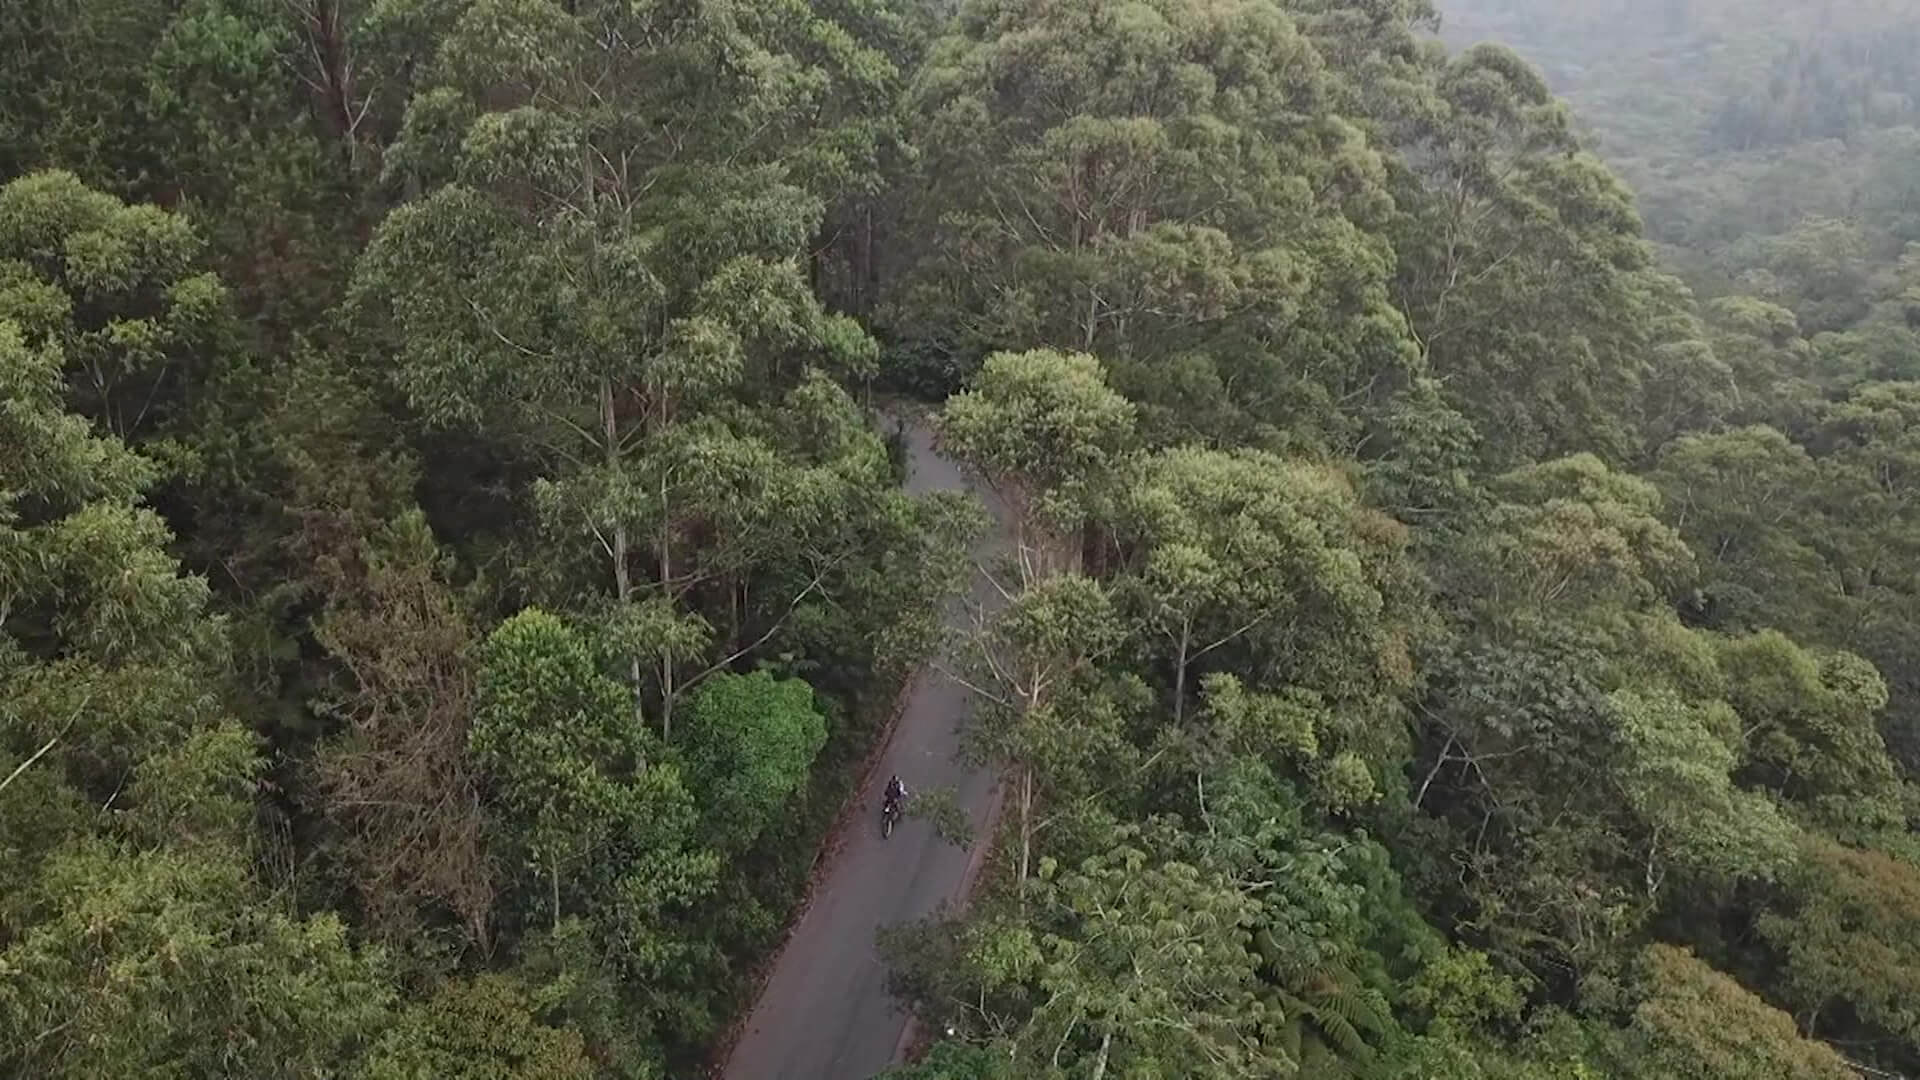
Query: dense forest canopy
{"x": 452, "y": 565}
{"x": 1754, "y": 133}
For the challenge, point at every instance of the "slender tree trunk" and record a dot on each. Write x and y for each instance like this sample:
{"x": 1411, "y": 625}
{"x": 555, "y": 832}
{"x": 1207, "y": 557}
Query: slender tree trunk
{"x": 666, "y": 697}
{"x": 666, "y": 579}
{"x": 1026, "y": 824}
{"x": 1096, "y": 551}
{"x": 869, "y": 272}
{"x": 1180, "y": 675}
{"x": 822, "y": 251}
{"x": 610, "y": 425}
{"x": 622, "y": 576}
{"x": 553, "y": 866}
{"x": 735, "y": 612}
{"x": 331, "y": 81}
{"x": 1100, "y": 1061}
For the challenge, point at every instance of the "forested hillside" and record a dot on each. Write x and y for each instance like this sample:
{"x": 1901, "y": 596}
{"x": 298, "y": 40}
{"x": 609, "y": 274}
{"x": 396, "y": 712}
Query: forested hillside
{"x": 452, "y": 565}
{"x": 1774, "y": 145}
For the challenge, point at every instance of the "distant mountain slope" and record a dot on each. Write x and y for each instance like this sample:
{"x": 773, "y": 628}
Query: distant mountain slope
{"x": 1735, "y": 120}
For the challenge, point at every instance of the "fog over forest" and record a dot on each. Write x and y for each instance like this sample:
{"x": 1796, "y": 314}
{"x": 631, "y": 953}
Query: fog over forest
{"x": 1735, "y": 120}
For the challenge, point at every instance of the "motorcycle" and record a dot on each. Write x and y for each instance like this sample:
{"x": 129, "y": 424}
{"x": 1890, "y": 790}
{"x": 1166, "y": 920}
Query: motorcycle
{"x": 889, "y": 814}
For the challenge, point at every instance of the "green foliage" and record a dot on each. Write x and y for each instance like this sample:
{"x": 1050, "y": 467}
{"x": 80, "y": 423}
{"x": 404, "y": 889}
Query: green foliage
{"x": 113, "y": 289}
{"x": 603, "y": 833}
{"x": 1676, "y": 776}
{"x": 1268, "y": 569}
{"x": 172, "y": 965}
{"x": 1044, "y": 431}
{"x": 622, "y": 317}
{"x": 261, "y": 117}
{"x": 952, "y": 1061}
{"x": 749, "y": 740}
{"x": 134, "y": 937}
{"x": 479, "y": 1029}
{"x": 450, "y": 562}
{"x": 558, "y": 748}
{"x": 1461, "y": 987}
{"x": 1810, "y": 728}
{"x": 1134, "y": 962}
{"x": 942, "y": 809}
{"x": 1846, "y": 932}
{"x": 1700, "y": 1023}
{"x": 1165, "y": 185}
{"x": 1568, "y": 534}
{"x": 1515, "y": 245}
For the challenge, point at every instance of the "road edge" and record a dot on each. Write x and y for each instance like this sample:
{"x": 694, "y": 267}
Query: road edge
{"x": 913, "y": 1031}
{"x": 831, "y": 842}
{"x": 902, "y": 413}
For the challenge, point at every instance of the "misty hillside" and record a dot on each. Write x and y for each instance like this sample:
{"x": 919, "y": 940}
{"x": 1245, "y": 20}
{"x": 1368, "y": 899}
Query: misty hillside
{"x": 1723, "y": 74}
{"x": 1734, "y": 119}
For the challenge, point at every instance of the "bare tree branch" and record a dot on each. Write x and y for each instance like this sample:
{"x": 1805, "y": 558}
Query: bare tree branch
{"x": 42, "y": 752}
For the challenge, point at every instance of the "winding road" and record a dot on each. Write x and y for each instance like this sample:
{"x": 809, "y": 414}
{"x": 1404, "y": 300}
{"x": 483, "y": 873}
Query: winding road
{"x": 824, "y": 1012}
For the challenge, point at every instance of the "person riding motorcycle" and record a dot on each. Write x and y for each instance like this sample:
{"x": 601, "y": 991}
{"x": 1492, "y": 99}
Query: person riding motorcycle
{"x": 893, "y": 806}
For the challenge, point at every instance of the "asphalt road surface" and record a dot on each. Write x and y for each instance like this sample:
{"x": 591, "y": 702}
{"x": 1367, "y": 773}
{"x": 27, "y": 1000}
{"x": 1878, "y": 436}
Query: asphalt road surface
{"x": 824, "y": 1013}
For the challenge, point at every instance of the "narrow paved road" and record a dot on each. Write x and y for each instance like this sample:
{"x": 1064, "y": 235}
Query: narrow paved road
{"x": 824, "y": 1013}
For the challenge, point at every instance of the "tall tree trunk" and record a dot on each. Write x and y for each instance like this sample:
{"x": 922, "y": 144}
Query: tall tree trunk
{"x": 666, "y": 697}
{"x": 1095, "y": 551}
{"x": 1026, "y": 825}
{"x": 666, "y": 585}
{"x": 1100, "y": 1062}
{"x": 822, "y": 250}
{"x": 1180, "y": 674}
{"x": 610, "y": 427}
{"x": 622, "y": 576}
{"x": 868, "y": 272}
{"x": 330, "y": 57}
